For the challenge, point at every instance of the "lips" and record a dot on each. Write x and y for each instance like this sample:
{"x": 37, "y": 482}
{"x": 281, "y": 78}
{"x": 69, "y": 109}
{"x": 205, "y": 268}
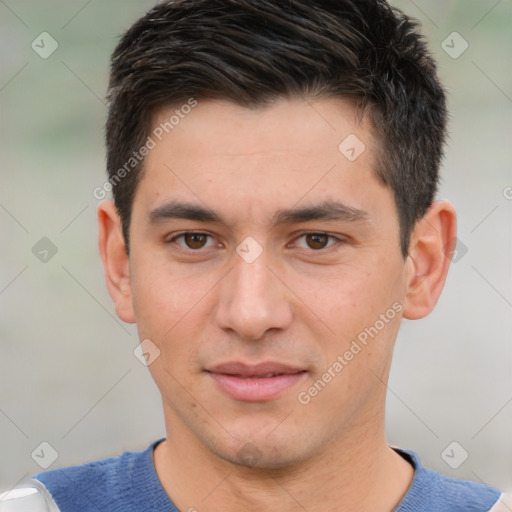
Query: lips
{"x": 255, "y": 383}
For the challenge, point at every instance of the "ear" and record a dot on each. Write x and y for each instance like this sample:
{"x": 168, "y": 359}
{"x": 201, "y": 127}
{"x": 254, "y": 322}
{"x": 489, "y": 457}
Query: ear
{"x": 115, "y": 260}
{"x": 432, "y": 246}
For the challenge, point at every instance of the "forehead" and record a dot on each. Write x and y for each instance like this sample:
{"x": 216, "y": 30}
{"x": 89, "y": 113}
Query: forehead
{"x": 266, "y": 158}
{"x": 287, "y": 124}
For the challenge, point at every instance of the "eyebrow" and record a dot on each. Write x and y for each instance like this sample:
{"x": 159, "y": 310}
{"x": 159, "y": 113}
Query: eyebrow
{"x": 327, "y": 211}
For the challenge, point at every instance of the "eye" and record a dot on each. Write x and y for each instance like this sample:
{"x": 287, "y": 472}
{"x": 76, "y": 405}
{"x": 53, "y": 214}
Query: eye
{"x": 192, "y": 240}
{"x": 317, "y": 241}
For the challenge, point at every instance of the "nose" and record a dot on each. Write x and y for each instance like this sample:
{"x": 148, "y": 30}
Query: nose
{"x": 253, "y": 300}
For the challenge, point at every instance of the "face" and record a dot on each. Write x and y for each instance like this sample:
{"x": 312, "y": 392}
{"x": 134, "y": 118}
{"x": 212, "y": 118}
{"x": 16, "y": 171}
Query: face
{"x": 265, "y": 265}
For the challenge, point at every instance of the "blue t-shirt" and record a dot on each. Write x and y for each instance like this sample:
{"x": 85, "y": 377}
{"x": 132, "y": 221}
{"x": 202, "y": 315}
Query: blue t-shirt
{"x": 129, "y": 483}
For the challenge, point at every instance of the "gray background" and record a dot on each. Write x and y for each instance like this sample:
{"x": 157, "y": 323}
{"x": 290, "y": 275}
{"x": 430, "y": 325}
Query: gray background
{"x": 67, "y": 372}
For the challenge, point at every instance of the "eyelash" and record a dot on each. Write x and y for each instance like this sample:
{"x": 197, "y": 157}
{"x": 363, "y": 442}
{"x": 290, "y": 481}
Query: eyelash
{"x": 188, "y": 249}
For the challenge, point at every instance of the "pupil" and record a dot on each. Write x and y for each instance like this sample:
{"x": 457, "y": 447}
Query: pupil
{"x": 317, "y": 241}
{"x": 195, "y": 240}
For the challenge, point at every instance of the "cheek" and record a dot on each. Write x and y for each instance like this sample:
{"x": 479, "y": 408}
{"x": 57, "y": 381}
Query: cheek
{"x": 172, "y": 311}
{"x": 352, "y": 297}
{"x": 161, "y": 296}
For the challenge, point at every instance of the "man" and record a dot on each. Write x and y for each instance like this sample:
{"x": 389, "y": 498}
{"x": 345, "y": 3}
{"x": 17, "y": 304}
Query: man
{"x": 274, "y": 167}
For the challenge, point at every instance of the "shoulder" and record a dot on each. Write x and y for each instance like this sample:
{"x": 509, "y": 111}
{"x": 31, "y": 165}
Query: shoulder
{"x": 113, "y": 484}
{"x": 107, "y": 477}
{"x": 431, "y": 490}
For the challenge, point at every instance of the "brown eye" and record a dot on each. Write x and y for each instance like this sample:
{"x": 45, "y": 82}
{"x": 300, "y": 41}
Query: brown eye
{"x": 195, "y": 240}
{"x": 317, "y": 240}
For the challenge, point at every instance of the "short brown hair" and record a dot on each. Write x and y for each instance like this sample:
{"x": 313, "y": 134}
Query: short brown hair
{"x": 254, "y": 51}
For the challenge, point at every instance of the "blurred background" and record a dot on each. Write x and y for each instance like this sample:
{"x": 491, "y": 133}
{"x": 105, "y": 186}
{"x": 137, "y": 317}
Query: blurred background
{"x": 68, "y": 375}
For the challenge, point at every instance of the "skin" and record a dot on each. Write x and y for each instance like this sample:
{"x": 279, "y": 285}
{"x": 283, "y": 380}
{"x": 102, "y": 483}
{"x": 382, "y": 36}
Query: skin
{"x": 301, "y": 302}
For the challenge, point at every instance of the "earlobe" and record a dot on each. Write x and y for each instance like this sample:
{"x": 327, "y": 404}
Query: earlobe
{"x": 115, "y": 260}
{"x": 432, "y": 245}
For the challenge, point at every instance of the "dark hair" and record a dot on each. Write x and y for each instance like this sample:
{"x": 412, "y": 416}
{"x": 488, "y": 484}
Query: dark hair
{"x": 254, "y": 51}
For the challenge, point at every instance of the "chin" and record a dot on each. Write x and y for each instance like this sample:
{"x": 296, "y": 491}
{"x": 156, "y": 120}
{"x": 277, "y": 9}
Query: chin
{"x": 264, "y": 453}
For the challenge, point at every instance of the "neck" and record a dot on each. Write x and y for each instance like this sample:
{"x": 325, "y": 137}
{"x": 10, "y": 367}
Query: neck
{"x": 356, "y": 472}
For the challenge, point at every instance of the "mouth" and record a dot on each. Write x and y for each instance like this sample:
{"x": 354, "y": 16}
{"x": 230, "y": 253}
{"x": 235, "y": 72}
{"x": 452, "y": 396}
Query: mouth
{"x": 255, "y": 383}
